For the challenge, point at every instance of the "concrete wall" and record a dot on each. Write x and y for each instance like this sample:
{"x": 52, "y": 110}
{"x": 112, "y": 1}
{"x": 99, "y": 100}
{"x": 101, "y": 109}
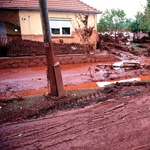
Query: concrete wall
{"x": 30, "y": 61}
{"x": 31, "y": 28}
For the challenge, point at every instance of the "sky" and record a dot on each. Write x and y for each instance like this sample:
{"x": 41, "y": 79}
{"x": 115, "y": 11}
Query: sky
{"x": 130, "y": 7}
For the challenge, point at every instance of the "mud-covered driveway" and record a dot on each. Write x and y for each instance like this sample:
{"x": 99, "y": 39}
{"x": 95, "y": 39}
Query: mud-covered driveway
{"x": 115, "y": 124}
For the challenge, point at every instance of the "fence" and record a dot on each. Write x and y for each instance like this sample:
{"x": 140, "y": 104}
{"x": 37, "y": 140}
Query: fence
{"x": 3, "y": 41}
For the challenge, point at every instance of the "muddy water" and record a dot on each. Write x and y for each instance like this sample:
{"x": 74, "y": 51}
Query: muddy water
{"x": 20, "y": 74}
{"x": 78, "y": 87}
{"x": 40, "y": 71}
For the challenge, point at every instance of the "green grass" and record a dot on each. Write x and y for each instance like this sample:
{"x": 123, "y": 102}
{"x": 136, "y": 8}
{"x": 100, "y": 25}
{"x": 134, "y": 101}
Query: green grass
{"x": 80, "y": 93}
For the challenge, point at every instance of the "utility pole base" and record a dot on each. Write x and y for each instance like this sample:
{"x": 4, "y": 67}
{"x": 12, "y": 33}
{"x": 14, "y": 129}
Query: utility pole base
{"x": 58, "y": 77}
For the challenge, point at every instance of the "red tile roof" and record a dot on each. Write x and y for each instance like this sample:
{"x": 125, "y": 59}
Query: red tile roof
{"x": 53, "y": 5}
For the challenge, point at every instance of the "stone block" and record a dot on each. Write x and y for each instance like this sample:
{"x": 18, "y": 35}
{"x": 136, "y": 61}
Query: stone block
{"x": 44, "y": 59}
{"x": 40, "y": 64}
{"x": 18, "y": 60}
{"x": 9, "y": 66}
{"x": 68, "y": 58}
{"x": 16, "y": 65}
{"x": 45, "y": 63}
{"x": 97, "y": 60}
{"x": 11, "y": 61}
{"x": 83, "y": 57}
{"x": 3, "y": 65}
{"x": 36, "y": 60}
{"x": 76, "y": 61}
{"x": 23, "y": 65}
{"x": 26, "y": 61}
{"x": 92, "y": 60}
{"x": 32, "y": 64}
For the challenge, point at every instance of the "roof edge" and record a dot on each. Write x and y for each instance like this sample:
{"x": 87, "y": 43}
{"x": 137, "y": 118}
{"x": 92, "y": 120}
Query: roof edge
{"x": 53, "y": 10}
{"x": 88, "y": 5}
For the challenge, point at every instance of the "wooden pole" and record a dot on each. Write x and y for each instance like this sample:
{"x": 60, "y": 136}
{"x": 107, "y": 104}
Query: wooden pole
{"x": 48, "y": 46}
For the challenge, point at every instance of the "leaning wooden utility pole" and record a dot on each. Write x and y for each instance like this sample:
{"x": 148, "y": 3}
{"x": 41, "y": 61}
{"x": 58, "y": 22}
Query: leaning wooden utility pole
{"x": 48, "y": 47}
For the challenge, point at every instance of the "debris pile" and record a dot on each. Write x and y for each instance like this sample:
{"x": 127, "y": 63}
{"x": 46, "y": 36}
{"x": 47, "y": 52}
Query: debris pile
{"x": 120, "y": 70}
{"x": 123, "y": 44}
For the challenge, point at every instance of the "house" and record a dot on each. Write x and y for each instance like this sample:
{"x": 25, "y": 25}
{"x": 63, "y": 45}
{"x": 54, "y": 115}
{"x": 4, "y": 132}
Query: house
{"x": 21, "y": 18}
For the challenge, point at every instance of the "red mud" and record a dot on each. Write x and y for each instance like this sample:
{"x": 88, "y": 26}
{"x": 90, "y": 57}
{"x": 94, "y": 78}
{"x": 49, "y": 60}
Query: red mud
{"x": 115, "y": 118}
{"x": 32, "y": 48}
{"x": 118, "y": 119}
{"x": 34, "y": 78}
{"x": 24, "y": 81}
{"x": 115, "y": 124}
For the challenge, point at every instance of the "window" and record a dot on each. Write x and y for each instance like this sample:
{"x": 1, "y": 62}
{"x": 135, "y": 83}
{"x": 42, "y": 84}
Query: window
{"x": 60, "y": 26}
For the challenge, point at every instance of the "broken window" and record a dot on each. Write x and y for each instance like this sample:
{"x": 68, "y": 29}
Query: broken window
{"x": 60, "y": 26}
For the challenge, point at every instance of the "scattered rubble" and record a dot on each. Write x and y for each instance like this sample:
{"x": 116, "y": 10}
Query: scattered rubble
{"x": 123, "y": 44}
{"x": 119, "y": 70}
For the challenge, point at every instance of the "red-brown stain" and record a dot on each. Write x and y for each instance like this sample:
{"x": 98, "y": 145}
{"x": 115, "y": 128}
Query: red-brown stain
{"x": 77, "y": 87}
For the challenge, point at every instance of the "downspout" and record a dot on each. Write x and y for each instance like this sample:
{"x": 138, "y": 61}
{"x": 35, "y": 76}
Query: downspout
{"x": 29, "y": 26}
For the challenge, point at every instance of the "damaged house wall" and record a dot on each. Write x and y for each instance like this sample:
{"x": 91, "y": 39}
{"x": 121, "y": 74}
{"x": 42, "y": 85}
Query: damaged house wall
{"x": 63, "y": 11}
{"x": 31, "y": 28}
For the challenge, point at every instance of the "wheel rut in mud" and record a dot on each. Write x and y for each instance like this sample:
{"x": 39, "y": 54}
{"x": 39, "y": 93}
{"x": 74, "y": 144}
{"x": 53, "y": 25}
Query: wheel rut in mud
{"x": 118, "y": 123}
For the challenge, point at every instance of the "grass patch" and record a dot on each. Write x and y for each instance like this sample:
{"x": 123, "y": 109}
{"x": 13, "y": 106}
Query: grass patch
{"x": 83, "y": 92}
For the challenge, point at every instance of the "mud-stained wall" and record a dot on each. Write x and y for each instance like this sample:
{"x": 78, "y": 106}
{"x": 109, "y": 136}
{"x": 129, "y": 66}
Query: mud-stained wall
{"x": 31, "y": 28}
{"x": 30, "y": 61}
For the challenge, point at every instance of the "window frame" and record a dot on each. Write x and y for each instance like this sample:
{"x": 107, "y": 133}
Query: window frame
{"x": 60, "y": 26}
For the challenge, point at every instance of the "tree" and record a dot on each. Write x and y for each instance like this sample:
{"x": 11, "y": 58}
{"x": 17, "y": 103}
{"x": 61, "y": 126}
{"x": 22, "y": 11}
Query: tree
{"x": 84, "y": 32}
{"x": 143, "y": 19}
{"x": 112, "y": 21}
{"x": 135, "y": 27}
{"x": 128, "y": 24}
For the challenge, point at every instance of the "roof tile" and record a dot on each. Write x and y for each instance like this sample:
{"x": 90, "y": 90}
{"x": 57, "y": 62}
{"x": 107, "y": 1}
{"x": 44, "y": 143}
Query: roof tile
{"x": 75, "y": 5}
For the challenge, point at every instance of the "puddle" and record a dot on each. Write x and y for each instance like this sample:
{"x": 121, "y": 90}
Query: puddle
{"x": 126, "y": 65}
{"x": 78, "y": 87}
{"x": 25, "y": 73}
{"x": 82, "y": 86}
{"x": 24, "y": 94}
{"x": 102, "y": 84}
{"x": 121, "y": 69}
{"x": 40, "y": 71}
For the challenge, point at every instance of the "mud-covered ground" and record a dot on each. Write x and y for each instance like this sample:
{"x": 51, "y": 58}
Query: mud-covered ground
{"x": 115, "y": 118}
